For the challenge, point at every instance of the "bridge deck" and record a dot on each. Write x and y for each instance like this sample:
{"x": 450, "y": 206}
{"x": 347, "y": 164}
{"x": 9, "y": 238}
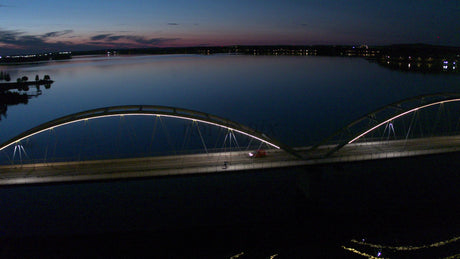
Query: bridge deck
{"x": 214, "y": 163}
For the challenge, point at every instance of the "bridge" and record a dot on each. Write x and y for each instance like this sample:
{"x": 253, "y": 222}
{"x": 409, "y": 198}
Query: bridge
{"x": 423, "y": 125}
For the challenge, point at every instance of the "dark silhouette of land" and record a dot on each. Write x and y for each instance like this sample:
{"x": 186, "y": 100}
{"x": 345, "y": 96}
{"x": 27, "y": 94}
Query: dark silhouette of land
{"x": 19, "y": 85}
{"x": 319, "y": 50}
{"x": 32, "y": 58}
{"x": 407, "y": 57}
{"x": 404, "y": 57}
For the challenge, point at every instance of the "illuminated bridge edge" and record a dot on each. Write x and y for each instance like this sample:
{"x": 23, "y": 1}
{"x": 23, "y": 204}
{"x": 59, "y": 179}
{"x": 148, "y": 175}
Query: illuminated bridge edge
{"x": 424, "y": 101}
{"x": 151, "y": 110}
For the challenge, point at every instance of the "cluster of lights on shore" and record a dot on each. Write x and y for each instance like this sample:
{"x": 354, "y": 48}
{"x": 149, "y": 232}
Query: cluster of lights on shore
{"x": 38, "y": 55}
{"x": 445, "y": 65}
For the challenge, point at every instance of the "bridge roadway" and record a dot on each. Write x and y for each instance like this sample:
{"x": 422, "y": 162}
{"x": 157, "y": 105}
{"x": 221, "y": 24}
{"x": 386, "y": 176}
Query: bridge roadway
{"x": 214, "y": 162}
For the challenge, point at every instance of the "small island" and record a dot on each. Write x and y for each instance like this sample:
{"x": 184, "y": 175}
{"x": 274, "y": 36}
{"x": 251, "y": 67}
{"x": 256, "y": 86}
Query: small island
{"x": 23, "y": 83}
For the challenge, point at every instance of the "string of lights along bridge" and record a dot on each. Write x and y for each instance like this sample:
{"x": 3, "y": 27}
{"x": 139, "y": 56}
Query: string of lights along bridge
{"x": 147, "y": 141}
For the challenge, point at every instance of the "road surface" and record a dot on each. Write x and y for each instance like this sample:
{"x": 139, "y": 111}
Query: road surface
{"x": 218, "y": 162}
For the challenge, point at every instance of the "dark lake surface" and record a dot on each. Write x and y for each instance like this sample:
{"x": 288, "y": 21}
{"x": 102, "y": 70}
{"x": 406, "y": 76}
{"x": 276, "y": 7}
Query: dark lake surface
{"x": 298, "y": 100}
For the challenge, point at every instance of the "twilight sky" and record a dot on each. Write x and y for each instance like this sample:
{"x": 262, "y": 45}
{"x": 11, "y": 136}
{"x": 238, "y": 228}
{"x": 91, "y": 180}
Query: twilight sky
{"x": 28, "y": 26}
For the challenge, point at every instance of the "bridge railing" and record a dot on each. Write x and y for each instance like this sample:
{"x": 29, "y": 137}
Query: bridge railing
{"x": 223, "y": 151}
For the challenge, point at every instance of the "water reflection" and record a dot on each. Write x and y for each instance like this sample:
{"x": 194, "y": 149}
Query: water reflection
{"x": 15, "y": 95}
{"x": 298, "y": 100}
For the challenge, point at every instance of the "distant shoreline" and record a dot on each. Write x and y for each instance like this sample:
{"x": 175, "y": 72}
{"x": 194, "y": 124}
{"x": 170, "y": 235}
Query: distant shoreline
{"x": 406, "y": 57}
{"x": 34, "y": 58}
{"x": 423, "y": 50}
{"x": 410, "y": 57}
{"x": 317, "y": 50}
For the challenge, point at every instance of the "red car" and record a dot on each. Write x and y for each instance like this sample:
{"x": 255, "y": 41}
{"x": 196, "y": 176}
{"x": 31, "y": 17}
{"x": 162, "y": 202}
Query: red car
{"x": 258, "y": 153}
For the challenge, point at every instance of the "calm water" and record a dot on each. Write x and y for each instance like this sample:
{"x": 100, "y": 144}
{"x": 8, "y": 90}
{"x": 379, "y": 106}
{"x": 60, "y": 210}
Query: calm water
{"x": 298, "y": 100}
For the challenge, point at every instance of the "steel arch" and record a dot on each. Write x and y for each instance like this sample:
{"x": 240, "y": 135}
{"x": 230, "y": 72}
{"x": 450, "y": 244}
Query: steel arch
{"x": 390, "y": 112}
{"x": 150, "y": 110}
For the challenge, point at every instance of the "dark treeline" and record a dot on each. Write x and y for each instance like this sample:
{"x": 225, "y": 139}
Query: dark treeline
{"x": 320, "y": 50}
{"x": 420, "y": 58}
{"x": 405, "y": 57}
{"x": 15, "y": 59}
{"x": 409, "y": 57}
{"x": 420, "y": 50}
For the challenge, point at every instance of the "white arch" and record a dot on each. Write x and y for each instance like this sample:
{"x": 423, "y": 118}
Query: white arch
{"x": 146, "y": 110}
{"x": 400, "y": 115}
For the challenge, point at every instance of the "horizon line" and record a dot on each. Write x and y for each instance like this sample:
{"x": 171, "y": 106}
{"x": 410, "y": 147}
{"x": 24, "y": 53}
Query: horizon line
{"x": 236, "y": 45}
